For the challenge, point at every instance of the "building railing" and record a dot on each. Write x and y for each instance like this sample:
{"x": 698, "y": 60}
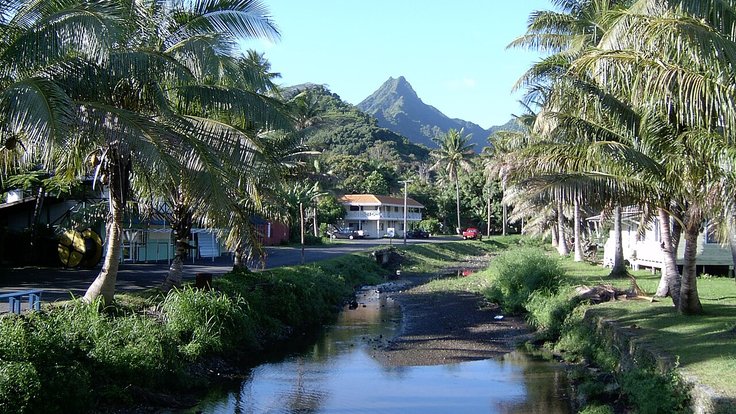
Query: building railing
{"x": 381, "y": 215}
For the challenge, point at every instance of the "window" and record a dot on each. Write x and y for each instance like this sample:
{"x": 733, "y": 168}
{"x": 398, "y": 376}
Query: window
{"x": 711, "y": 233}
{"x": 396, "y": 209}
{"x": 657, "y": 231}
{"x": 354, "y": 208}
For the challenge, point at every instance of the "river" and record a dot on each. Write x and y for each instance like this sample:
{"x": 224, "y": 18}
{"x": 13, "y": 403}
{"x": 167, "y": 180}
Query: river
{"x": 336, "y": 374}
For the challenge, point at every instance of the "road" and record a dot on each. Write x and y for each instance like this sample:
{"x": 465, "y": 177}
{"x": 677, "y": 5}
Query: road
{"x": 63, "y": 284}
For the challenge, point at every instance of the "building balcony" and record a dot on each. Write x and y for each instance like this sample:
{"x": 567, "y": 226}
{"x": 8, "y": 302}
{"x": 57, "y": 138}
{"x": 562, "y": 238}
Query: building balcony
{"x": 372, "y": 215}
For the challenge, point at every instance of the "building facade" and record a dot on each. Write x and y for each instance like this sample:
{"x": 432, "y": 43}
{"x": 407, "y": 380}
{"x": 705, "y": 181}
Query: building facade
{"x": 379, "y": 216}
{"x": 642, "y": 248}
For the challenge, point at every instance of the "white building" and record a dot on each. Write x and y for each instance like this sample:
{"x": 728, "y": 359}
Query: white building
{"x": 377, "y": 215}
{"x": 643, "y": 249}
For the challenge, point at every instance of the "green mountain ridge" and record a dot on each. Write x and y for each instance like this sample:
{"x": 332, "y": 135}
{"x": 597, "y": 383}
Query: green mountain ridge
{"x": 397, "y": 107}
{"x": 344, "y": 129}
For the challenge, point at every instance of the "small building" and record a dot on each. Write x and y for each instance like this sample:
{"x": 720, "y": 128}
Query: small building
{"x": 377, "y": 215}
{"x": 644, "y": 250}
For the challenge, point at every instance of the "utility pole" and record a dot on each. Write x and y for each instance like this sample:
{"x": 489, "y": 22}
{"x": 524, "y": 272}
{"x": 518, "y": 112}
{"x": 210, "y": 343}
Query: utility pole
{"x": 405, "y": 183}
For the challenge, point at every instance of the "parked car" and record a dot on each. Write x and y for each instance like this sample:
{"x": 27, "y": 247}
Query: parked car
{"x": 417, "y": 234}
{"x": 348, "y": 234}
{"x": 472, "y": 233}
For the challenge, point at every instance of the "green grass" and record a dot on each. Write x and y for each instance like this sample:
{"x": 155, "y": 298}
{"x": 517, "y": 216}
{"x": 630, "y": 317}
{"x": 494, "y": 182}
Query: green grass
{"x": 704, "y": 345}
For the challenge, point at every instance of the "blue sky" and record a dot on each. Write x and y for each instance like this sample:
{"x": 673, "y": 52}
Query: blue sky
{"x": 453, "y": 53}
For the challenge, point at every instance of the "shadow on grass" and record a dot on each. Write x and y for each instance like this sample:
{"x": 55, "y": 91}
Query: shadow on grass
{"x": 694, "y": 340}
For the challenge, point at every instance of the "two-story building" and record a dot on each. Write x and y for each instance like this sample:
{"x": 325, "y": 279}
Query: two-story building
{"x": 377, "y": 215}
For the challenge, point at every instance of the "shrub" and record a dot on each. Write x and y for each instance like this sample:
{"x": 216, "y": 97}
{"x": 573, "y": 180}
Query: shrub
{"x": 654, "y": 393}
{"x": 579, "y": 342}
{"x": 430, "y": 225}
{"x": 134, "y": 349}
{"x": 19, "y": 386}
{"x": 597, "y": 409}
{"x": 206, "y": 320}
{"x": 547, "y": 311}
{"x": 518, "y": 273}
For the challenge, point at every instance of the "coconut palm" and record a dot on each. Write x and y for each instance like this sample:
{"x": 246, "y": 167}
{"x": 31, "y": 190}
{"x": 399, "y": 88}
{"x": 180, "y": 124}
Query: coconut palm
{"x": 135, "y": 109}
{"x": 453, "y": 156}
{"x": 565, "y": 34}
{"x": 678, "y": 61}
{"x": 41, "y": 40}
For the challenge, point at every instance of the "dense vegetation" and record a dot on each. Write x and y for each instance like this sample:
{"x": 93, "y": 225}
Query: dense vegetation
{"x": 75, "y": 356}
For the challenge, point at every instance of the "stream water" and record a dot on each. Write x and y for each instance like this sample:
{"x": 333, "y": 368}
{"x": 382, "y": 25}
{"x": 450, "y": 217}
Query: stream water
{"x": 336, "y": 374}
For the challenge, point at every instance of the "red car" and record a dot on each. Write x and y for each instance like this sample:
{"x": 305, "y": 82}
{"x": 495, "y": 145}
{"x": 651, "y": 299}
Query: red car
{"x": 472, "y": 233}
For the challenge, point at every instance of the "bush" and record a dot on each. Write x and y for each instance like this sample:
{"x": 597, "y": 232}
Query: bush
{"x": 20, "y": 385}
{"x": 62, "y": 359}
{"x": 597, "y": 409}
{"x": 518, "y": 273}
{"x": 430, "y": 225}
{"x": 206, "y": 321}
{"x": 653, "y": 393}
{"x": 547, "y": 311}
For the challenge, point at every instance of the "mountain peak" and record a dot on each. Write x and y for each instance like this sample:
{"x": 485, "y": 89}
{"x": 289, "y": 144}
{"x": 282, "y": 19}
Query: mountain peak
{"x": 397, "y": 107}
{"x": 395, "y": 88}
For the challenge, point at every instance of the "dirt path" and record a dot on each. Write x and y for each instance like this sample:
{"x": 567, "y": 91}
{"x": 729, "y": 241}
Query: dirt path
{"x": 449, "y": 327}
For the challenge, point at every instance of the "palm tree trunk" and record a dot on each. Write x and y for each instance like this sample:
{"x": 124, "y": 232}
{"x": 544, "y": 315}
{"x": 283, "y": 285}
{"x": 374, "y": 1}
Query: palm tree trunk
{"x": 689, "y": 300}
{"x": 239, "y": 261}
{"x": 457, "y": 202}
{"x": 562, "y": 248}
{"x": 554, "y": 232}
{"x": 316, "y": 230}
{"x": 669, "y": 283}
{"x": 732, "y": 240}
{"x": 118, "y": 171}
{"x": 182, "y": 233}
{"x": 38, "y": 206}
{"x": 578, "y": 241}
{"x": 504, "y": 208}
{"x": 619, "y": 265}
{"x": 104, "y": 285}
{"x": 301, "y": 216}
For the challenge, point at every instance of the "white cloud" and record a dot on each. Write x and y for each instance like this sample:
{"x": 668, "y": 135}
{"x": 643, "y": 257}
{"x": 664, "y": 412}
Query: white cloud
{"x": 456, "y": 85}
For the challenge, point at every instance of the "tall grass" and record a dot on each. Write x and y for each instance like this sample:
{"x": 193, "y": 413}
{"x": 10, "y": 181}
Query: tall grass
{"x": 519, "y": 273}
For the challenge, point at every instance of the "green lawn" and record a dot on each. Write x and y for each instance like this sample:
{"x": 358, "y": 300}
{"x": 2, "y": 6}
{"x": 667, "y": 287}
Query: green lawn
{"x": 704, "y": 345}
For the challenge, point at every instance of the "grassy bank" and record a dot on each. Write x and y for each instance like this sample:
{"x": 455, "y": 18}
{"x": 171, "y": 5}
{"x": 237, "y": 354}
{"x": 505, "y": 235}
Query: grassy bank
{"x": 72, "y": 357}
{"x": 76, "y": 357}
{"x": 704, "y": 345}
{"x": 541, "y": 285}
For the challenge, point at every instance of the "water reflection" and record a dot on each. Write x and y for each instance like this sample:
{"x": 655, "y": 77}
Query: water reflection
{"x": 338, "y": 375}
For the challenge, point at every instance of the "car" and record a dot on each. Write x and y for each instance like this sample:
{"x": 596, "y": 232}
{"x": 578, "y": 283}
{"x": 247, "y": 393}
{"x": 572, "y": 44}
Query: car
{"x": 417, "y": 234}
{"x": 472, "y": 233}
{"x": 348, "y": 234}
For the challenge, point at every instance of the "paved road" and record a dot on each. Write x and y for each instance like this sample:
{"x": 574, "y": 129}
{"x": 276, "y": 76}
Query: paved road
{"x": 62, "y": 284}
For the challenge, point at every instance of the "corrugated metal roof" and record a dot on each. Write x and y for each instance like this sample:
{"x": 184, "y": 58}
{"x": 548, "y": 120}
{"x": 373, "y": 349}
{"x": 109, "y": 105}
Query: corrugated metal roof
{"x": 377, "y": 200}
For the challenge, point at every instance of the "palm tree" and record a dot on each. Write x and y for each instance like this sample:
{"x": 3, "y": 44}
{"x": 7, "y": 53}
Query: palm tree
{"x": 41, "y": 41}
{"x": 565, "y": 34}
{"x": 452, "y": 156}
{"x": 678, "y": 61}
{"x": 138, "y": 119}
